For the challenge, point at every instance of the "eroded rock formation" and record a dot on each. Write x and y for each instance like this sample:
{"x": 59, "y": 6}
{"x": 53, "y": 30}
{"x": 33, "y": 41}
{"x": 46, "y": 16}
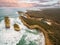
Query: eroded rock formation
{"x": 16, "y": 27}
{"x": 7, "y": 22}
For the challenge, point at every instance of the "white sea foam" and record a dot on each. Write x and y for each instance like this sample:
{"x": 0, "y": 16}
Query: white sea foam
{"x": 12, "y": 37}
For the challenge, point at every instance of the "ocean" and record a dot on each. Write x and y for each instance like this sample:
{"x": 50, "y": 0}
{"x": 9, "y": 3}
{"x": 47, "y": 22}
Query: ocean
{"x": 24, "y": 37}
{"x": 10, "y": 11}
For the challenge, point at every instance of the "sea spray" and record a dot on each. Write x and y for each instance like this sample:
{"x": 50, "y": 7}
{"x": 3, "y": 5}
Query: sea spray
{"x": 12, "y": 37}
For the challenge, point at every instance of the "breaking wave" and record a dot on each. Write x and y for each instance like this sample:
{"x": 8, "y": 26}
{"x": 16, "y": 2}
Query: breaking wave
{"x": 12, "y": 37}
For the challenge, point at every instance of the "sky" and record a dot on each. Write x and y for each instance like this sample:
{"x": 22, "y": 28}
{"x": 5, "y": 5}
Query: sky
{"x": 28, "y": 3}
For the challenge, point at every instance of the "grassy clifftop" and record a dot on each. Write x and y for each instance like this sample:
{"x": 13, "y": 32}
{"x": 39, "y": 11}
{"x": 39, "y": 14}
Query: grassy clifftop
{"x": 51, "y": 32}
{"x": 53, "y": 14}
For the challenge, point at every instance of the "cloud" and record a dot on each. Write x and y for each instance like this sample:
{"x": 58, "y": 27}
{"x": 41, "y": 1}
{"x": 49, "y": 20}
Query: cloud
{"x": 49, "y": 3}
{"x": 41, "y": 3}
{"x": 27, "y": 3}
{"x": 14, "y": 3}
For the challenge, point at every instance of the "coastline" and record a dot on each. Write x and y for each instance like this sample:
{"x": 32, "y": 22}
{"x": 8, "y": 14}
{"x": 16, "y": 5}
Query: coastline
{"x": 47, "y": 40}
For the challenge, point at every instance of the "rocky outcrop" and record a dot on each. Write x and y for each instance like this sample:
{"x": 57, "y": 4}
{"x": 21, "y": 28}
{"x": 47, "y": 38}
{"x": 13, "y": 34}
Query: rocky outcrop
{"x": 49, "y": 32}
{"x": 7, "y": 22}
{"x": 16, "y": 27}
{"x": 47, "y": 40}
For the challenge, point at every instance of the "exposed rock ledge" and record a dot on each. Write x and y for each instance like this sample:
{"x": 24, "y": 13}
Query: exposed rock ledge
{"x": 47, "y": 40}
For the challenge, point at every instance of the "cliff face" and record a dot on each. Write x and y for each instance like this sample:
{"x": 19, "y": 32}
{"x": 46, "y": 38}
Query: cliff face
{"x": 51, "y": 32}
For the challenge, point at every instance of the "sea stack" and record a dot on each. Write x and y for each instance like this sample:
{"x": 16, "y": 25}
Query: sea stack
{"x": 16, "y": 27}
{"x": 7, "y": 22}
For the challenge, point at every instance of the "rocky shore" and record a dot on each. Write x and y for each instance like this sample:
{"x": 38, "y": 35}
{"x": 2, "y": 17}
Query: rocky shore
{"x": 19, "y": 34}
{"x": 45, "y": 23}
{"x": 47, "y": 40}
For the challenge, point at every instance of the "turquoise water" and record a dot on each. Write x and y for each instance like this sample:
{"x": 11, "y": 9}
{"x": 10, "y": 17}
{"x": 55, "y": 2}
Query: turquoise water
{"x": 29, "y": 37}
{"x": 11, "y": 12}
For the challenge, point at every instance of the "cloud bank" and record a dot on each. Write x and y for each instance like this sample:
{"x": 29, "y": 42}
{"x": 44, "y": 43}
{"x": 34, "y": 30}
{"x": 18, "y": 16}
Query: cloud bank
{"x": 28, "y": 3}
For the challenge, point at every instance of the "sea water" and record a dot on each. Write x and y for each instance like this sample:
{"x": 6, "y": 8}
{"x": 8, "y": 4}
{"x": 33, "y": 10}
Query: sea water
{"x": 25, "y": 36}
